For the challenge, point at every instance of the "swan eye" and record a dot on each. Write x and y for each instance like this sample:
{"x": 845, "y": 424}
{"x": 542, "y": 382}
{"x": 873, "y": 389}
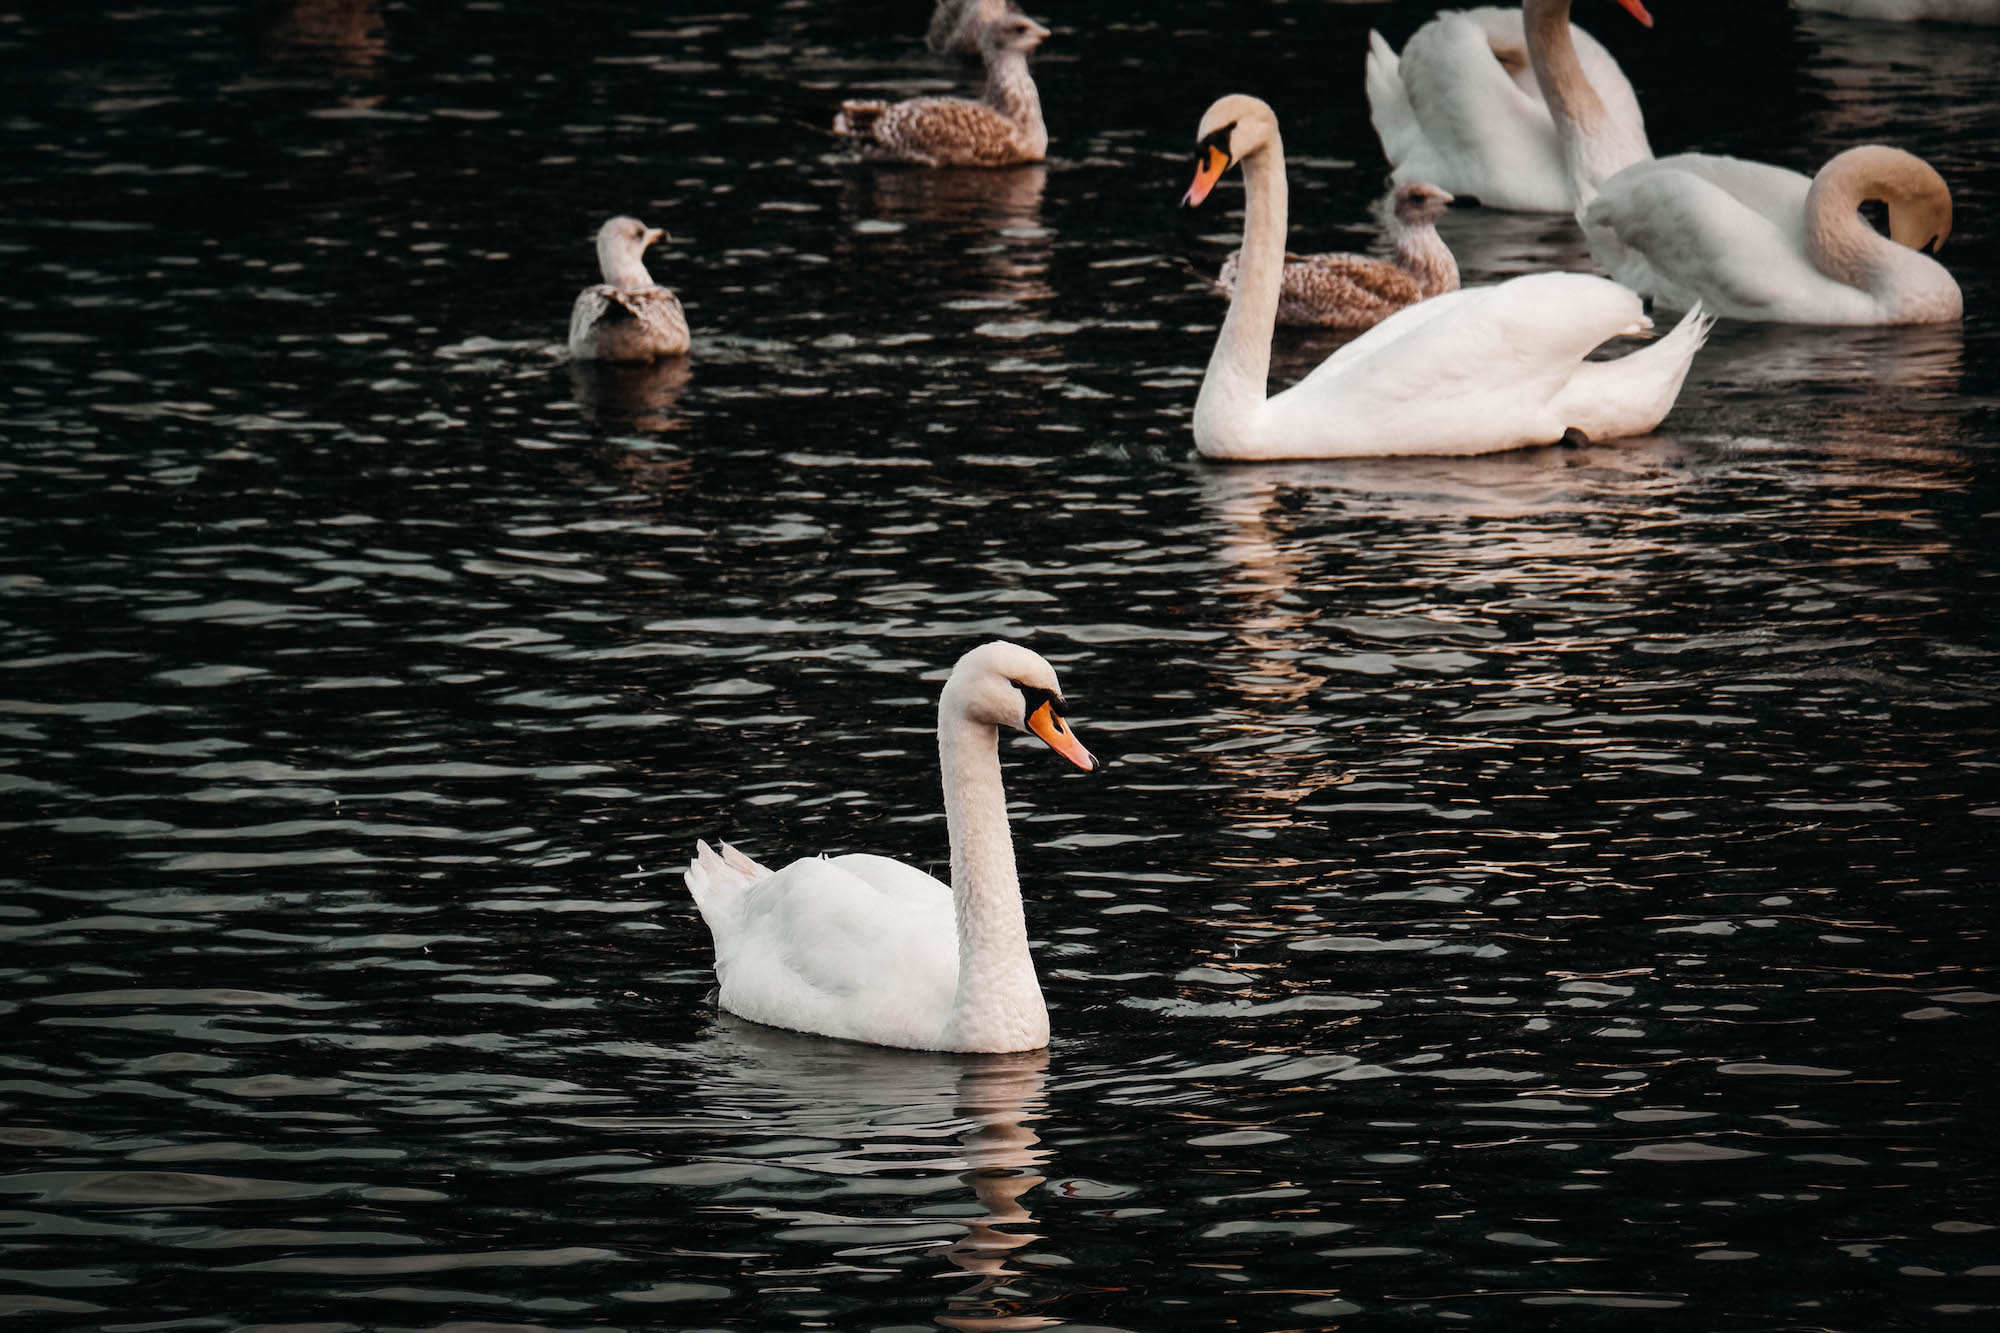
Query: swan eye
{"x": 1034, "y": 697}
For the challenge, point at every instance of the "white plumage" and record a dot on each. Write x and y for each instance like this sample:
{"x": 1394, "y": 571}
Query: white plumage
{"x": 1469, "y": 372}
{"x": 1753, "y": 241}
{"x": 868, "y": 949}
{"x": 1515, "y": 107}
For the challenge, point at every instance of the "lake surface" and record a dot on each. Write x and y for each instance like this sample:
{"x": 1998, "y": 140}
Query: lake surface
{"x": 1545, "y": 891}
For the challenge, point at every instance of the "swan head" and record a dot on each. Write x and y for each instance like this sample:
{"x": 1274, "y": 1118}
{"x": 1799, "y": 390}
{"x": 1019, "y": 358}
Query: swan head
{"x": 1416, "y": 203}
{"x": 1012, "y": 31}
{"x": 621, "y": 247}
{"x": 1919, "y": 202}
{"x": 1002, "y": 684}
{"x": 1234, "y": 128}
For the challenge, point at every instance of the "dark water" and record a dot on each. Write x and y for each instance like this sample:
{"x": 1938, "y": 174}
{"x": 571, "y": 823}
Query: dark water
{"x": 1542, "y": 891}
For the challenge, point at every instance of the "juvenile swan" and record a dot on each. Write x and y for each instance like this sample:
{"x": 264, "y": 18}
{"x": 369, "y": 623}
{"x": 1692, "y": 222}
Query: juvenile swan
{"x": 1514, "y": 107}
{"x": 1752, "y": 241}
{"x": 1343, "y": 291}
{"x": 1469, "y": 372}
{"x": 869, "y": 949}
{"x": 627, "y": 317}
{"x": 1003, "y": 127}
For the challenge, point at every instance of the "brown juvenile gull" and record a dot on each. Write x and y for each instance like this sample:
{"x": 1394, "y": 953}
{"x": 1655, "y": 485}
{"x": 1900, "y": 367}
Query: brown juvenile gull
{"x": 1343, "y": 291}
{"x": 627, "y": 317}
{"x": 1003, "y": 127}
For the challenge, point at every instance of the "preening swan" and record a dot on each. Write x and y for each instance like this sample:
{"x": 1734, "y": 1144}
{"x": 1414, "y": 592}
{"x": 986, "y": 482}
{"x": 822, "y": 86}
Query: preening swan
{"x": 1343, "y": 291}
{"x": 1469, "y": 372}
{"x": 627, "y": 317}
{"x": 869, "y": 949}
{"x": 1752, "y": 241}
{"x": 1004, "y": 126}
{"x": 1516, "y": 108}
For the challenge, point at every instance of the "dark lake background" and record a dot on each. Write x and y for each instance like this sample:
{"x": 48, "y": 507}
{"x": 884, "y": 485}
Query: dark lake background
{"x": 1546, "y": 891}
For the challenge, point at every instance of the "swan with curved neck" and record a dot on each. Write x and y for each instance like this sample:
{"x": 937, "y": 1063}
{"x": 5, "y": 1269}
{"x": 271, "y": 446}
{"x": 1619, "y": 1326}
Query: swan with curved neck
{"x": 1470, "y": 372}
{"x": 1517, "y": 108}
{"x": 869, "y": 949}
{"x": 1753, "y": 241}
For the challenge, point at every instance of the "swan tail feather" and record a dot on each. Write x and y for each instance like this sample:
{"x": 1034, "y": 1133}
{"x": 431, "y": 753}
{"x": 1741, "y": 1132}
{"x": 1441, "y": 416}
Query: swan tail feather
{"x": 715, "y": 878}
{"x": 1389, "y": 107}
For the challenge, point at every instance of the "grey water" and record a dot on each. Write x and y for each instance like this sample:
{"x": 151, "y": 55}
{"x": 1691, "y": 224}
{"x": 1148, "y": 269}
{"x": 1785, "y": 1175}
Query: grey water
{"x": 1549, "y": 890}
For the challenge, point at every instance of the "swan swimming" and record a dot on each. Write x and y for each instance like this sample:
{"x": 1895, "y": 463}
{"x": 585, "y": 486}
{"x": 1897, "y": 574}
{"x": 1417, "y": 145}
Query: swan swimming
{"x": 1470, "y": 372}
{"x": 869, "y": 949}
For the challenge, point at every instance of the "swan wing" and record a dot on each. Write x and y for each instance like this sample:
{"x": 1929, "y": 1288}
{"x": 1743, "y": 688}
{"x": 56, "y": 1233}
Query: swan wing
{"x": 1716, "y": 231}
{"x": 1476, "y": 130}
{"x": 1609, "y": 400}
{"x": 1471, "y": 371}
{"x": 858, "y": 946}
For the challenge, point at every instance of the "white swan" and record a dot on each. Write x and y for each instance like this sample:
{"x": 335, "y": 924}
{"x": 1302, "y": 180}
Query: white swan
{"x": 869, "y": 949}
{"x": 1469, "y": 372}
{"x": 1752, "y": 241}
{"x": 1514, "y": 107}
{"x": 627, "y": 317}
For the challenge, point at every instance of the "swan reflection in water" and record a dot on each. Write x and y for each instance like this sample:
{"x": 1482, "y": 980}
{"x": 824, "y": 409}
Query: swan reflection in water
{"x": 846, "y": 1112}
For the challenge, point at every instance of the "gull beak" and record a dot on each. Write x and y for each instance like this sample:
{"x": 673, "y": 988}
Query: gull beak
{"x": 1208, "y": 170}
{"x": 1637, "y": 11}
{"x": 652, "y": 234}
{"x": 1038, "y": 32}
{"x": 1046, "y": 723}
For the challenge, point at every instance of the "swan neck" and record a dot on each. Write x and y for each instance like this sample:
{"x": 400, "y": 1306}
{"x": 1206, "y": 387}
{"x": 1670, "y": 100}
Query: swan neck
{"x": 1239, "y": 370}
{"x": 998, "y": 1004}
{"x": 1573, "y": 103}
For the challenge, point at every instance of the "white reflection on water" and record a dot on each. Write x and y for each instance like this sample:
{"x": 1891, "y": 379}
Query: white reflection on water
{"x": 845, "y": 1110}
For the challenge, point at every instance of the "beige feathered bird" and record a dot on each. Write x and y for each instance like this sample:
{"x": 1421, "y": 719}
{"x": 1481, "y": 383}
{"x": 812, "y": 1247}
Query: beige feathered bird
{"x": 1003, "y": 127}
{"x": 627, "y": 317}
{"x": 1346, "y": 291}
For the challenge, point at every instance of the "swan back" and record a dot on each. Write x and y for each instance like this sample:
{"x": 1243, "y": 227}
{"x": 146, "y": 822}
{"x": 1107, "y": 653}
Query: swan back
{"x": 1752, "y": 241}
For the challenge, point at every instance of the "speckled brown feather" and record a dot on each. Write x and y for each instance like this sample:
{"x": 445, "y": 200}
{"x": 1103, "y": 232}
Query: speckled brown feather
{"x": 1348, "y": 291}
{"x": 937, "y": 132}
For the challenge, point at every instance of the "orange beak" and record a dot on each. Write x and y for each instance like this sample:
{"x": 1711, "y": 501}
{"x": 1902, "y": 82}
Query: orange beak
{"x": 1208, "y": 173}
{"x": 1637, "y": 11}
{"x": 1056, "y": 734}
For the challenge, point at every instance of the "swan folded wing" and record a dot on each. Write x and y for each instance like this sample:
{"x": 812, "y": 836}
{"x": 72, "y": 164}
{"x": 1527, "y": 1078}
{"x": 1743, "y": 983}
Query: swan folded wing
{"x": 1609, "y": 400}
{"x": 1467, "y": 372}
{"x": 846, "y": 947}
{"x": 1670, "y": 230}
{"x": 1483, "y": 134}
